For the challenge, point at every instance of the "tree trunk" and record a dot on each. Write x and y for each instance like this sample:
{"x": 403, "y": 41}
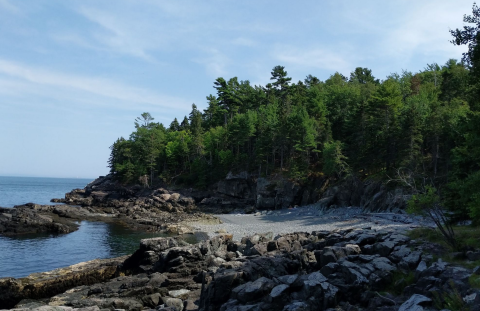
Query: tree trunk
{"x": 281, "y": 159}
{"x": 435, "y": 156}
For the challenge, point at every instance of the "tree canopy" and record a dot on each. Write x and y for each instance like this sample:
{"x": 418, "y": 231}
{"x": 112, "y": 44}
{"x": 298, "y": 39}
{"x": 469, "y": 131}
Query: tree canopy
{"x": 424, "y": 124}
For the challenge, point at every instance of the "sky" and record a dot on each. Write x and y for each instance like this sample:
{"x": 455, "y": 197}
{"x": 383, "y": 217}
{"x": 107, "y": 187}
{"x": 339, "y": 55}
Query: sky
{"x": 74, "y": 75}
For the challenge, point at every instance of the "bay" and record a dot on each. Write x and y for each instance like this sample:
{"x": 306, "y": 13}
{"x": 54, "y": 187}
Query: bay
{"x": 40, "y": 190}
{"x": 26, "y": 254}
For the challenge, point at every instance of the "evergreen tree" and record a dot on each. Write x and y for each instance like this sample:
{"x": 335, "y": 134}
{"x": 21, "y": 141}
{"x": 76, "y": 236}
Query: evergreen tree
{"x": 174, "y": 126}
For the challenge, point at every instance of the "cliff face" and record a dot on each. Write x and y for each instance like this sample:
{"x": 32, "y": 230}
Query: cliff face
{"x": 246, "y": 192}
{"x": 277, "y": 192}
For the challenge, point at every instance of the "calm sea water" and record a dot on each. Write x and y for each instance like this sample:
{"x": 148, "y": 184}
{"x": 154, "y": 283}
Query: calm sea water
{"x": 26, "y": 254}
{"x": 40, "y": 190}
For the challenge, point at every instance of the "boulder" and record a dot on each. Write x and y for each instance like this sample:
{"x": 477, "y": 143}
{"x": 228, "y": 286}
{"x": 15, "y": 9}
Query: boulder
{"x": 415, "y": 303}
{"x": 175, "y": 303}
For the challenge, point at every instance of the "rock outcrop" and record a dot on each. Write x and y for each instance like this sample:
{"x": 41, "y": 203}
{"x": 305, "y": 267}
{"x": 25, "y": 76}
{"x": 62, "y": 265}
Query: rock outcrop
{"x": 342, "y": 270}
{"x": 106, "y": 192}
{"x": 59, "y": 219}
{"x": 33, "y": 218}
{"x": 371, "y": 195}
{"x": 242, "y": 191}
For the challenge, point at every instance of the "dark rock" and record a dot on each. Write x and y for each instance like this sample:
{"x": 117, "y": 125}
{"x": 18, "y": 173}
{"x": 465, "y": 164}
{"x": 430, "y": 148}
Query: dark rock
{"x": 365, "y": 238}
{"x": 252, "y": 291}
{"x": 214, "y": 275}
{"x": 278, "y": 292}
{"x": 297, "y": 306}
{"x": 33, "y": 218}
{"x": 476, "y": 270}
{"x": 383, "y": 248}
{"x": 473, "y": 256}
{"x": 325, "y": 257}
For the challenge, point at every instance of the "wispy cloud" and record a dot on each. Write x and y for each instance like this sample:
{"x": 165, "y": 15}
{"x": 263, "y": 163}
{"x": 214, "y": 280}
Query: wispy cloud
{"x": 121, "y": 36}
{"x": 424, "y": 30}
{"x": 242, "y": 41}
{"x": 77, "y": 40}
{"x": 215, "y": 63}
{"x": 126, "y": 96}
{"x": 319, "y": 58}
{"x": 6, "y": 5}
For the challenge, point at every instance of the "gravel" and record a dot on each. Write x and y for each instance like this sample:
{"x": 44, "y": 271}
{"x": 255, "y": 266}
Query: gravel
{"x": 307, "y": 219}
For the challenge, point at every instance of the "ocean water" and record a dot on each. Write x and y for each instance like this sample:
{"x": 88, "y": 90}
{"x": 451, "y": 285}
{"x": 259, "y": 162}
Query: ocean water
{"x": 40, "y": 190}
{"x": 26, "y": 254}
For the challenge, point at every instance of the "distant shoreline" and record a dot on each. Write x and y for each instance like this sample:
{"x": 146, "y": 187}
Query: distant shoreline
{"x": 50, "y": 177}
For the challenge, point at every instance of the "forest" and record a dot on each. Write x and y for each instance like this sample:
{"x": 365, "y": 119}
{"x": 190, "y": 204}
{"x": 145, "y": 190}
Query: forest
{"x": 421, "y": 130}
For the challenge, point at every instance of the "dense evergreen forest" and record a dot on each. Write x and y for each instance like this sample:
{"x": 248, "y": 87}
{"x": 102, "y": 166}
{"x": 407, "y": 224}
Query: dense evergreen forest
{"x": 419, "y": 129}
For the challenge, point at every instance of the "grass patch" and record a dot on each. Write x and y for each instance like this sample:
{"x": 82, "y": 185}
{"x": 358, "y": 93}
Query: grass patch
{"x": 429, "y": 234}
{"x": 468, "y": 238}
{"x": 451, "y": 300}
{"x": 474, "y": 281}
{"x": 400, "y": 280}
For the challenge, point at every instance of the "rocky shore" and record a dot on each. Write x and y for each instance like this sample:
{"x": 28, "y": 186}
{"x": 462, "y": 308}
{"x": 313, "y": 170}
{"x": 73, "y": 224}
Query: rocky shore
{"x": 329, "y": 255}
{"x": 166, "y": 212}
{"x": 33, "y": 218}
{"x": 159, "y": 209}
{"x": 361, "y": 269}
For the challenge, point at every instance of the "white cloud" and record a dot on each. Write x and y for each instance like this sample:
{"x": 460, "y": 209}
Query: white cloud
{"x": 424, "y": 30}
{"x": 125, "y": 96}
{"x": 121, "y": 35}
{"x": 215, "y": 63}
{"x": 319, "y": 58}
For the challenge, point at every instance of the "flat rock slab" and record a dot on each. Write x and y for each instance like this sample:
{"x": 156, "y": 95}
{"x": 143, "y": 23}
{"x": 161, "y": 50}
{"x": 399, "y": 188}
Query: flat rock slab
{"x": 48, "y": 284}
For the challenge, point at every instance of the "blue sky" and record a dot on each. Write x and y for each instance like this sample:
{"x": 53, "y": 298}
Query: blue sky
{"x": 75, "y": 74}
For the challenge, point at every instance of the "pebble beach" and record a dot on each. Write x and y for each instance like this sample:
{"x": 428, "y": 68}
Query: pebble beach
{"x": 307, "y": 219}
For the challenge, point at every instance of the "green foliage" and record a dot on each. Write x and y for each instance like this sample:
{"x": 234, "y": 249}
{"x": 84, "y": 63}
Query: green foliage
{"x": 338, "y": 127}
{"x": 428, "y": 203}
{"x": 451, "y": 300}
{"x": 467, "y": 237}
{"x": 469, "y": 36}
{"x": 334, "y": 162}
{"x": 422, "y": 203}
{"x": 426, "y": 123}
{"x": 465, "y": 195}
{"x": 399, "y": 281}
{"x": 474, "y": 281}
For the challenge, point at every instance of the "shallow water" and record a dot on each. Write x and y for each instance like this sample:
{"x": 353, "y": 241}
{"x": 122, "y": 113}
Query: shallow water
{"x": 26, "y": 254}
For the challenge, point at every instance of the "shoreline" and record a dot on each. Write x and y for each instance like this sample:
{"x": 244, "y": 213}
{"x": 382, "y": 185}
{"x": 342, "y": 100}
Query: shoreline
{"x": 315, "y": 270}
{"x": 307, "y": 219}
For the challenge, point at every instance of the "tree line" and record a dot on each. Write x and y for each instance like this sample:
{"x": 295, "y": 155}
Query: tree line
{"x": 420, "y": 129}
